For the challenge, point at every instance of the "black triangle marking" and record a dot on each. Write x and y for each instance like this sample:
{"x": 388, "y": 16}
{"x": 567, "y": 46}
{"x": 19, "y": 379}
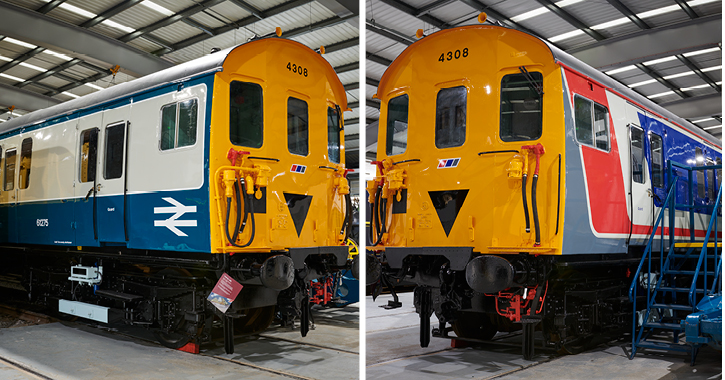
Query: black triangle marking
{"x": 447, "y": 204}
{"x": 299, "y": 205}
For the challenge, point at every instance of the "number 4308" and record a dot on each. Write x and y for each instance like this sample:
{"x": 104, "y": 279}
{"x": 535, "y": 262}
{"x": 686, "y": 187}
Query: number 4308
{"x": 453, "y": 55}
{"x": 296, "y": 69}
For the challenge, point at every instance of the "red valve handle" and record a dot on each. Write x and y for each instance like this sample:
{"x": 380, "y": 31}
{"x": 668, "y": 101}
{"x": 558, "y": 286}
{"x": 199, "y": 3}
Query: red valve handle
{"x": 538, "y": 150}
{"x": 233, "y": 155}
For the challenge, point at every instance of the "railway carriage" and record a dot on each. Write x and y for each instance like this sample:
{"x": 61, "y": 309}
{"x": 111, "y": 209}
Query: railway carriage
{"x": 516, "y": 185}
{"x": 152, "y": 189}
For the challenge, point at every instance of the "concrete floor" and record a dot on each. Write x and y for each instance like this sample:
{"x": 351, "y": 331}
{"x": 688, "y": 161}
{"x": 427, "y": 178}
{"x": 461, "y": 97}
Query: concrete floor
{"x": 393, "y": 352}
{"x": 65, "y": 350}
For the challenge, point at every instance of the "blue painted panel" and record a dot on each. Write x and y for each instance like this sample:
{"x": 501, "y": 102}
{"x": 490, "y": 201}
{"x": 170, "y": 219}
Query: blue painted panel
{"x": 110, "y": 219}
{"x": 49, "y": 223}
{"x": 84, "y": 211}
{"x": 8, "y": 225}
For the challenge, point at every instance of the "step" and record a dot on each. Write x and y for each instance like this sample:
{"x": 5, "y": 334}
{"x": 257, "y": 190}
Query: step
{"x": 672, "y": 306}
{"x": 697, "y": 244}
{"x": 666, "y": 326}
{"x": 679, "y": 290}
{"x": 664, "y": 346}
{"x": 117, "y": 295}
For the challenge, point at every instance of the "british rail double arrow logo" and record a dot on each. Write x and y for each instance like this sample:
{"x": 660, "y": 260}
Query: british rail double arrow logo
{"x": 173, "y": 222}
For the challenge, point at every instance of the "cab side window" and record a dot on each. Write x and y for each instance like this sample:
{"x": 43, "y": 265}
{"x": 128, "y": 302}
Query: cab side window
{"x": 178, "y": 124}
{"x": 10, "y": 161}
{"x": 26, "y": 156}
{"x": 592, "y": 123}
{"x": 245, "y": 114}
{"x": 297, "y": 126}
{"x": 333, "y": 134}
{"x": 521, "y": 115}
{"x": 396, "y": 141}
{"x": 637, "y": 137}
{"x": 451, "y": 117}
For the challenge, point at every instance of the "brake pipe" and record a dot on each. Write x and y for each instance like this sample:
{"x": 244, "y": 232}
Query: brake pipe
{"x": 537, "y": 150}
{"x": 523, "y": 189}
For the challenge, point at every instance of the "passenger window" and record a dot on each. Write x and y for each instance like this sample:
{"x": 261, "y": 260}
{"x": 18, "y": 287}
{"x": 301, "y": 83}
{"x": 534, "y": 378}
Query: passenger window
{"x": 115, "y": 136}
{"x": 396, "y": 140}
{"x": 333, "y": 134}
{"x": 700, "y": 174}
{"x": 521, "y": 116}
{"x": 9, "y": 180}
{"x": 245, "y": 114}
{"x": 26, "y": 156}
{"x": 451, "y": 117}
{"x": 658, "y": 160}
{"x": 592, "y": 123}
{"x": 89, "y": 149}
{"x": 297, "y": 126}
{"x": 178, "y": 124}
{"x": 637, "y": 136}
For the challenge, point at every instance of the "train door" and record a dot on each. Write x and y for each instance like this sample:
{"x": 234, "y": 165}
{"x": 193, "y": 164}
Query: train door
{"x": 640, "y": 182}
{"x": 86, "y": 189}
{"x": 111, "y": 183}
{"x": 8, "y": 215}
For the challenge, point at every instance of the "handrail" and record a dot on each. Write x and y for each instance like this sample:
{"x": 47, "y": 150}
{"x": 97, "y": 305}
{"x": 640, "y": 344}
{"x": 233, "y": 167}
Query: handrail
{"x": 648, "y": 248}
{"x": 703, "y": 251}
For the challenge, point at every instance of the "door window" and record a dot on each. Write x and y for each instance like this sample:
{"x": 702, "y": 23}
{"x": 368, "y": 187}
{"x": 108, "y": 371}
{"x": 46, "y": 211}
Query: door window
{"x": 297, "y": 126}
{"x": 396, "y": 140}
{"x": 333, "y": 134}
{"x": 451, "y": 117}
{"x": 9, "y": 179}
{"x": 521, "y": 116}
{"x": 89, "y": 150}
{"x": 637, "y": 137}
{"x": 26, "y": 157}
{"x": 115, "y": 136}
{"x": 658, "y": 160}
{"x": 245, "y": 114}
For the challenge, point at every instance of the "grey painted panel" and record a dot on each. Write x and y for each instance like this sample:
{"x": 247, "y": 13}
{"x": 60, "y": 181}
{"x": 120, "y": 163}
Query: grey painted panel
{"x": 30, "y": 101}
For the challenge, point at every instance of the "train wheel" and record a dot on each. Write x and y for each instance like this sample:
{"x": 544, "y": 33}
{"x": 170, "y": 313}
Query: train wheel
{"x": 474, "y": 326}
{"x": 180, "y": 331}
{"x": 255, "y": 321}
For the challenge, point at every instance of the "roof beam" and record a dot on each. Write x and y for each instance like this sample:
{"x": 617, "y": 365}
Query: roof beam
{"x": 73, "y": 85}
{"x": 25, "y": 99}
{"x": 685, "y": 7}
{"x": 475, "y": 4}
{"x": 652, "y": 43}
{"x": 353, "y": 105}
{"x": 690, "y": 65}
{"x": 22, "y": 58}
{"x": 390, "y": 34}
{"x": 352, "y": 86}
{"x": 663, "y": 81}
{"x": 188, "y": 12}
{"x": 372, "y": 103}
{"x": 372, "y": 82}
{"x": 249, "y": 8}
{"x": 379, "y": 59}
{"x": 432, "y": 6}
{"x": 628, "y": 12}
{"x": 46, "y": 31}
{"x": 348, "y": 67}
{"x": 110, "y": 12}
{"x": 48, "y": 73}
{"x": 50, "y": 6}
{"x": 342, "y": 45}
{"x": 575, "y": 22}
{"x": 405, "y": 8}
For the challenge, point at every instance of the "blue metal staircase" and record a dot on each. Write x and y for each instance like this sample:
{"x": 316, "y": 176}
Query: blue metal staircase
{"x": 681, "y": 288}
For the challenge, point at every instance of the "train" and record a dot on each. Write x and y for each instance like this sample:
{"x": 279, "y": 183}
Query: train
{"x": 517, "y": 187}
{"x": 131, "y": 203}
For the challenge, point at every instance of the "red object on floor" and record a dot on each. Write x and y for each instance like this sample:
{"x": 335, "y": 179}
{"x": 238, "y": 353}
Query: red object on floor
{"x": 457, "y": 343}
{"x": 191, "y": 348}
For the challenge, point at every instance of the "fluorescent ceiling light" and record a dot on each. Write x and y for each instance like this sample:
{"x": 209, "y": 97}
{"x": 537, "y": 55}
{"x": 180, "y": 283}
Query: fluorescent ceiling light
{"x": 58, "y": 55}
{"x": 704, "y": 120}
{"x": 93, "y": 86}
{"x": 157, "y": 8}
{"x": 12, "y": 77}
{"x": 612, "y": 23}
{"x": 695, "y": 87}
{"x": 661, "y": 94}
{"x": 700, "y": 2}
{"x": 659, "y": 60}
{"x": 565, "y": 36}
{"x": 21, "y": 43}
{"x": 527, "y": 15}
{"x": 118, "y": 26}
{"x": 703, "y": 51}
{"x": 77, "y": 10}
{"x": 658, "y": 11}
{"x": 71, "y": 95}
{"x": 633, "y": 85}
{"x": 713, "y": 127}
{"x": 621, "y": 70}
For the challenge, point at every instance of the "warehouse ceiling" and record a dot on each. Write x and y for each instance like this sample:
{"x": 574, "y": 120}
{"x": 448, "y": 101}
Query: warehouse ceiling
{"x": 52, "y": 51}
{"x": 667, "y": 50}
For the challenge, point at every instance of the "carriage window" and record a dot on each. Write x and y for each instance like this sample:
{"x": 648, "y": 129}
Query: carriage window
{"x": 700, "y": 174}
{"x": 592, "y": 123}
{"x": 520, "y": 107}
{"x": 9, "y": 180}
{"x": 657, "y": 154}
{"x": 451, "y": 117}
{"x": 396, "y": 141}
{"x": 89, "y": 149}
{"x": 333, "y": 134}
{"x": 178, "y": 124}
{"x": 637, "y": 137}
{"x": 115, "y": 136}
{"x": 26, "y": 156}
{"x": 245, "y": 114}
{"x": 297, "y": 131}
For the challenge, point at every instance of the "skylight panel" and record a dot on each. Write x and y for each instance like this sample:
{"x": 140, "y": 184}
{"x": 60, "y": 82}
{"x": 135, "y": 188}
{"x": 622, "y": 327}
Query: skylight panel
{"x": 71, "y": 95}
{"x": 661, "y": 94}
{"x": 12, "y": 77}
{"x": 20, "y": 43}
{"x": 157, "y": 8}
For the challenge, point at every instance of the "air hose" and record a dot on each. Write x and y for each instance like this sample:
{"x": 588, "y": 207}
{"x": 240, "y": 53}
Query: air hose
{"x": 526, "y": 205}
{"x": 379, "y": 206}
{"x": 249, "y": 200}
{"x": 347, "y": 224}
{"x": 535, "y": 209}
{"x": 538, "y": 150}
